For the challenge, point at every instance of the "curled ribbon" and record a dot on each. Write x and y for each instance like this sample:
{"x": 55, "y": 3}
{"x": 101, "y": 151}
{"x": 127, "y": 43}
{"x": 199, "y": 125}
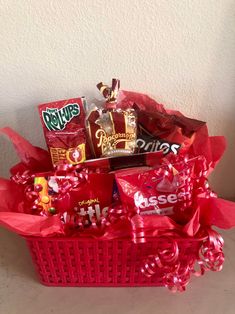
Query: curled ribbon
{"x": 175, "y": 274}
{"x": 165, "y": 258}
{"x": 178, "y": 279}
{"x": 109, "y": 93}
{"x": 176, "y": 271}
{"x": 22, "y": 178}
{"x": 211, "y": 256}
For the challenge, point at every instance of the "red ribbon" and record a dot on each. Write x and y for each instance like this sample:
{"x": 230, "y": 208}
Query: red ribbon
{"x": 177, "y": 273}
{"x": 22, "y": 178}
{"x": 211, "y": 256}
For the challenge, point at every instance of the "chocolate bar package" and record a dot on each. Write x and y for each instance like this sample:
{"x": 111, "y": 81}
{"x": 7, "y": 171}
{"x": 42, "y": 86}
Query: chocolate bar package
{"x": 112, "y": 131}
{"x": 64, "y": 129}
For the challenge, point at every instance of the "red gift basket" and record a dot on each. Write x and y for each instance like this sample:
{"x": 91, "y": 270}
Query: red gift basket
{"x": 88, "y": 262}
{"x": 122, "y": 246}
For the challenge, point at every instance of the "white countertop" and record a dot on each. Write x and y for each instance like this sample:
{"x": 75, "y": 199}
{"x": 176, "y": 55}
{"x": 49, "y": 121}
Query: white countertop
{"x": 20, "y": 292}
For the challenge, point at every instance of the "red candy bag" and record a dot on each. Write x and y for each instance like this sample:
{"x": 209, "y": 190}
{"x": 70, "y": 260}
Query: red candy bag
{"x": 64, "y": 129}
{"x": 90, "y": 200}
{"x": 163, "y": 190}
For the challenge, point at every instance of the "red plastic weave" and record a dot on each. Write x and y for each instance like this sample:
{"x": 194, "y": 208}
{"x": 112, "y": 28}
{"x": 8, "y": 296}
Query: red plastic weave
{"x": 88, "y": 262}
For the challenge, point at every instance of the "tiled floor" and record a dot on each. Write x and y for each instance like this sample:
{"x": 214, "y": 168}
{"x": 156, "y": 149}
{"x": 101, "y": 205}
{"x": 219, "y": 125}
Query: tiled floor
{"x": 20, "y": 293}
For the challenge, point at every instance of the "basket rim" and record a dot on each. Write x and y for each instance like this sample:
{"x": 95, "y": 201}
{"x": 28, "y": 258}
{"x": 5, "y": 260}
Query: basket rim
{"x": 90, "y": 239}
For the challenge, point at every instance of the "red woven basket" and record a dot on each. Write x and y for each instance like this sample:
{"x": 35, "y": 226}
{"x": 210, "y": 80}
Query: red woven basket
{"x": 88, "y": 262}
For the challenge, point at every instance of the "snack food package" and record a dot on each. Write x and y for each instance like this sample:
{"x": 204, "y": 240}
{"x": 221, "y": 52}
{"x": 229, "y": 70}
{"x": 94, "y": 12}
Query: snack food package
{"x": 64, "y": 129}
{"x": 90, "y": 200}
{"x": 79, "y": 200}
{"x": 112, "y": 131}
{"x": 166, "y": 132}
{"x": 160, "y": 129}
{"x": 163, "y": 190}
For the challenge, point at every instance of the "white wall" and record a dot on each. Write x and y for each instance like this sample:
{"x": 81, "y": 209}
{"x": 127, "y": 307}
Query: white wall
{"x": 179, "y": 51}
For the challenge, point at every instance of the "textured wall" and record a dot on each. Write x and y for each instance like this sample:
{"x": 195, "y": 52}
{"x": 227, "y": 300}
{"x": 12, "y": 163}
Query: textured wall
{"x": 180, "y": 52}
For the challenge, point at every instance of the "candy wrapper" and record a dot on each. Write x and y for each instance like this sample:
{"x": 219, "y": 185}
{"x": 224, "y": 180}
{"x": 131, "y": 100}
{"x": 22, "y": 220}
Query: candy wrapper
{"x": 112, "y": 131}
{"x": 160, "y": 129}
{"x": 64, "y": 128}
{"x": 89, "y": 201}
{"x": 166, "y": 189}
{"x": 167, "y": 132}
